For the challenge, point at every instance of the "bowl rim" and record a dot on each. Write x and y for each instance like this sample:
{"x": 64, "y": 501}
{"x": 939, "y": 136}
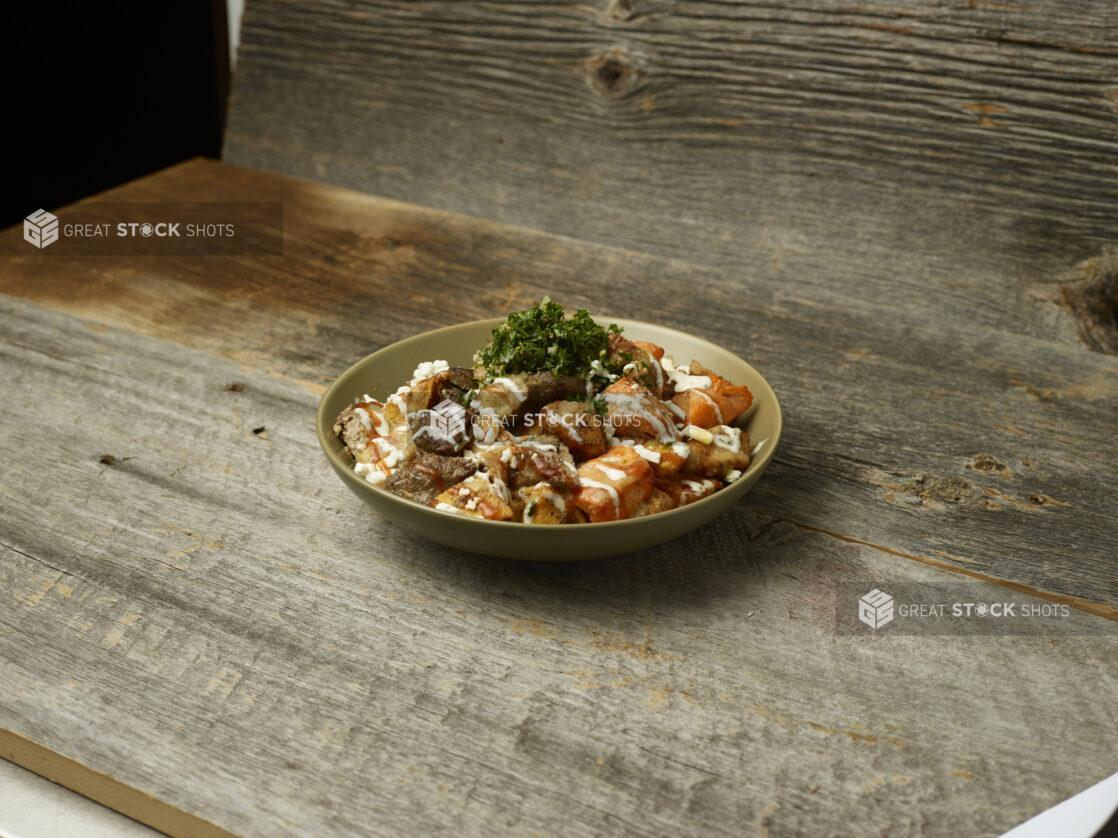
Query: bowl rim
{"x": 324, "y": 431}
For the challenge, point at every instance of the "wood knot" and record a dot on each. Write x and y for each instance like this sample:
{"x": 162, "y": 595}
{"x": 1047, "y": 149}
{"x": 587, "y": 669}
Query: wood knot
{"x": 614, "y": 74}
{"x": 620, "y": 9}
{"x": 1093, "y": 302}
{"x": 990, "y": 465}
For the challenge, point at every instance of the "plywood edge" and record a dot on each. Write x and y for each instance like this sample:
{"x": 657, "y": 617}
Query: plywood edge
{"x": 105, "y": 790}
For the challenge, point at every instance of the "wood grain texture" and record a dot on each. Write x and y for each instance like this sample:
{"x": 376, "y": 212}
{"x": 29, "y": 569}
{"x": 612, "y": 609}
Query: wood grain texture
{"x": 982, "y": 451}
{"x": 956, "y": 158}
{"x": 296, "y": 666}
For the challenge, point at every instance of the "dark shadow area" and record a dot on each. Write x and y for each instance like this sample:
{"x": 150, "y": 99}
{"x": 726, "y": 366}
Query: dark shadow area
{"x": 106, "y": 93}
{"x": 717, "y": 563}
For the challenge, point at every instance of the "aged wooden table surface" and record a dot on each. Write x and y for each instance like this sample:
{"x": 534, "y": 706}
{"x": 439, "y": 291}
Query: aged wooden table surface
{"x": 207, "y": 631}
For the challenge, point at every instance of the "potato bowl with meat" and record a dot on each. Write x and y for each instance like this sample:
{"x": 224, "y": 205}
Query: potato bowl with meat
{"x": 463, "y": 437}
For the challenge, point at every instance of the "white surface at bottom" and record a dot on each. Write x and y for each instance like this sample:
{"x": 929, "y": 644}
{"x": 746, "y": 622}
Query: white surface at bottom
{"x": 33, "y": 807}
{"x": 1077, "y": 817}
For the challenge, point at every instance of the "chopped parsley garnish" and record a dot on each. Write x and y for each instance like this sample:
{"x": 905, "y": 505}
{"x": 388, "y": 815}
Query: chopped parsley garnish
{"x": 600, "y": 406}
{"x": 543, "y": 339}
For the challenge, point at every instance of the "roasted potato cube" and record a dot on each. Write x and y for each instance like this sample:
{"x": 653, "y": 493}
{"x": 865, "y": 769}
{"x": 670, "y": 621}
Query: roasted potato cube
{"x": 655, "y": 351}
{"x": 719, "y": 403}
{"x": 477, "y": 497}
{"x": 613, "y": 486}
{"x": 580, "y": 428}
{"x": 665, "y": 458}
{"x": 657, "y": 501}
{"x": 542, "y": 504}
{"x": 728, "y": 450}
{"x": 634, "y": 411}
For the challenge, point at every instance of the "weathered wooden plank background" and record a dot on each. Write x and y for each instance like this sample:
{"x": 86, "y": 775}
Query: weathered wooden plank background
{"x": 902, "y": 215}
{"x": 977, "y": 450}
{"x": 953, "y": 159}
{"x": 296, "y": 666}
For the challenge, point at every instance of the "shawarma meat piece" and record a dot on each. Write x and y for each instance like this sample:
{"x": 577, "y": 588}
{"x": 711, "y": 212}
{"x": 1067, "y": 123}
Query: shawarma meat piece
{"x": 436, "y": 431}
{"x": 532, "y": 460}
{"x": 425, "y": 477}
{"x": 450, "y": 384}
{"x": 638, "y": 361}
{"x": 516, "y": 395}
{"x": 685, "y": 490}
{"x": 358, "y": 425}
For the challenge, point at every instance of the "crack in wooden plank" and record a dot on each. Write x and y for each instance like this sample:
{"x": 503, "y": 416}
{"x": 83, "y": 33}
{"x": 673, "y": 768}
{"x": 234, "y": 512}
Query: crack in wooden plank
{"x": 1097, "y": 609}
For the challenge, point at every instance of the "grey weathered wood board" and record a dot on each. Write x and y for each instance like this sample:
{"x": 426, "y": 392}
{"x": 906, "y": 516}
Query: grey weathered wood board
{"x": 213, "y": 619}
{"x": 979, "y": 450}
{"x": 954, "y": 158}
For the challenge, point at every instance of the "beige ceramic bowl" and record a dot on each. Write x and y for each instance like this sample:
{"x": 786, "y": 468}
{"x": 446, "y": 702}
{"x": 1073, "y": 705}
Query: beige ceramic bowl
{"x": 381, "y": 373}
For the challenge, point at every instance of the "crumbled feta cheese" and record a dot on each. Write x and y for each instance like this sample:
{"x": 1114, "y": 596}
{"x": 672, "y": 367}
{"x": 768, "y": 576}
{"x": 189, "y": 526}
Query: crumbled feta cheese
{"x": 370, "y": 472}
{"x": 428, "y": 369}
{"x": 388, "y": 452}
{"x": 733, "y": 475}
{"x": 648, "y": 453}
{"x": 699, "y": 434}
